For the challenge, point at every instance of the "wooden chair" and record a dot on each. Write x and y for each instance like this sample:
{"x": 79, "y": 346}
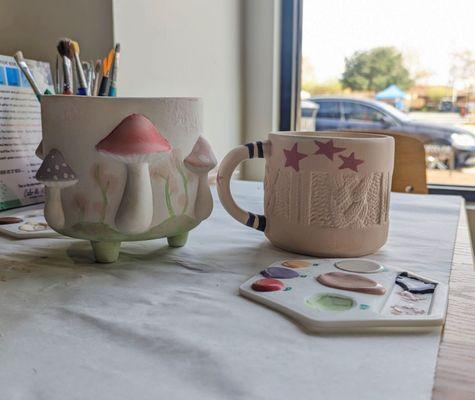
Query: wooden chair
{"x": 409, "y": 162}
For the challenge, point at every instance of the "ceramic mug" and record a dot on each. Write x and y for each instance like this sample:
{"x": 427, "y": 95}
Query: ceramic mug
{"x": 325, "y": 193}
{"x": 124, "y": 169}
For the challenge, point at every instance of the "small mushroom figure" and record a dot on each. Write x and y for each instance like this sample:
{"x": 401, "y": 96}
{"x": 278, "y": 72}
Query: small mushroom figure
{"x": 135, "y": 142}
{"x": 55, "y": 174}
{"x": 39, "y": 151}
{"x": 200, "y": 161}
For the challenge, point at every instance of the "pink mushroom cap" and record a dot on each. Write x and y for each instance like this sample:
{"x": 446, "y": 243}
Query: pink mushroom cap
{"x": 201, "y": 159}
{"x": 135, "y": 139}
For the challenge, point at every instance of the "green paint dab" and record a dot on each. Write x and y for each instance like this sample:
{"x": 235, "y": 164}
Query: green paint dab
{"x": 330, "y": 302}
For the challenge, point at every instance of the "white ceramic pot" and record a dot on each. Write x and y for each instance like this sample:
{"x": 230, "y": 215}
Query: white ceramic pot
{"x": 122, "y": 169}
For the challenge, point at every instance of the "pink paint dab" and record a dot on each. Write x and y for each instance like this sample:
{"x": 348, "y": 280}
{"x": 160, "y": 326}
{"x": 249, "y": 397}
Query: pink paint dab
{"x": 267, "y": 285}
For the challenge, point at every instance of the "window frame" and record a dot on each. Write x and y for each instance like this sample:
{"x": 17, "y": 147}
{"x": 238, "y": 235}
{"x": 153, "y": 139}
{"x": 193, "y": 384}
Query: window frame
{"x": 290, "y": 62}
{"x": 290, "y": 78}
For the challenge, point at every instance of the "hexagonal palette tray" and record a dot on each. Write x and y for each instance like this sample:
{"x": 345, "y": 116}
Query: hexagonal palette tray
{"x": 30, "y": 224}
{"x": 321, "y": 296}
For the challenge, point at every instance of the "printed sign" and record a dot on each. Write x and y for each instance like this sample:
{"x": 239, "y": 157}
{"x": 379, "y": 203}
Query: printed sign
{"x": 20, "y": 132}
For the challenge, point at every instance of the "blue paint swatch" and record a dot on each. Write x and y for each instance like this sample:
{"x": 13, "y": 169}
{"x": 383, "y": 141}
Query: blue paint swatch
{"x": 3, "y": 79}
{"x": 13, "y": 76}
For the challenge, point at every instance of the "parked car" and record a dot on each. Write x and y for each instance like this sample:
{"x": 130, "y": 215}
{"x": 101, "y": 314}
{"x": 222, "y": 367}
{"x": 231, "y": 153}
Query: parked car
{"x": 446, "y": 106}
{"x": 308, "y": 115}
{"x": 353, "y": 113}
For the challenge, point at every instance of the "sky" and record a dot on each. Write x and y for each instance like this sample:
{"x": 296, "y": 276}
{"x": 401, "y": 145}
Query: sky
{"x": 428, "y": 32}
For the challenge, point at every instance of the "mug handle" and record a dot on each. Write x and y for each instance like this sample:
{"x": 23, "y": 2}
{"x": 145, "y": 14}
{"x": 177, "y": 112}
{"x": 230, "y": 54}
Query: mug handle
{"x": 228, "y": 165}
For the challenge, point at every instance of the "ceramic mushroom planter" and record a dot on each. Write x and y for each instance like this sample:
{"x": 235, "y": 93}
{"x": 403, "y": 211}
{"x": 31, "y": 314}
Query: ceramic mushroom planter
{"x": 124, "y": 169}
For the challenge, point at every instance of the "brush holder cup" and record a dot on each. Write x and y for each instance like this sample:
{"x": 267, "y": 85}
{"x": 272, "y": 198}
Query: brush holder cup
{"x": 124, "y": 169}
{"x": 325, "y": 193}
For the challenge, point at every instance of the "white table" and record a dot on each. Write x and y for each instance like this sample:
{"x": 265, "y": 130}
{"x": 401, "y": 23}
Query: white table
{"x": 169, "y": 324}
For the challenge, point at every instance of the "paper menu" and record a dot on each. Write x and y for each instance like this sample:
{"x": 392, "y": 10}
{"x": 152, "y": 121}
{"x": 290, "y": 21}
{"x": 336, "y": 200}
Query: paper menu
{"x": 20, "y": 132}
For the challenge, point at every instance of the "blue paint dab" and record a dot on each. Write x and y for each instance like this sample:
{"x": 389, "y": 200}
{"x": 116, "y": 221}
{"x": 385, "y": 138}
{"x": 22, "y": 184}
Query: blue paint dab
{"x": 287, "y": 289}
{"x": 364, "y": 306}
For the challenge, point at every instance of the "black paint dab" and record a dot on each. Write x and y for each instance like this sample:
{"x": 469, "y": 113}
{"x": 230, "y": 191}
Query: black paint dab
{"x": 414, "y": 285}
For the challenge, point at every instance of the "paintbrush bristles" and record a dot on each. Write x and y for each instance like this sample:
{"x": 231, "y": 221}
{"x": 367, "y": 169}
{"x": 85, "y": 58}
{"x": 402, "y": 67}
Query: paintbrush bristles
{"x": 64, "y": 48}
{"x": 107, "y": 63}
{"x": 74, "y": 46}
{"x": 98, "y": 66}
{"x": 18, "y": 55}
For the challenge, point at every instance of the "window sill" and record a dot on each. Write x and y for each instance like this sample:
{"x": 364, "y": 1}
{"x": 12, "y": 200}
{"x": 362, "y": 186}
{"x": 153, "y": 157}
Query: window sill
{"x": 467, "y": 192}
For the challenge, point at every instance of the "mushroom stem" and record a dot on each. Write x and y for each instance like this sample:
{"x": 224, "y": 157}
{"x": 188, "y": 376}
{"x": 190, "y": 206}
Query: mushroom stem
{"x": 204, "y": 200}
{"x": 54, "y": 208}
{"x": 136, "y": 207}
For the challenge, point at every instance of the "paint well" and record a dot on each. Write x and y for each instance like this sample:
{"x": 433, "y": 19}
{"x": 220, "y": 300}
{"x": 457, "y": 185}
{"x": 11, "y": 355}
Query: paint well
{"x": 296, "y": 263}
{"x": 414, "y": 285}
{"x": 330, "y": 302}
{"x": 33, "y": 226}
{"x": 351, "y": 282}
{"x": 359, "y": 266}
{"x": 10, "y": 220}
{"x": 267, "y": 285}
{"x": 279, "y": 273}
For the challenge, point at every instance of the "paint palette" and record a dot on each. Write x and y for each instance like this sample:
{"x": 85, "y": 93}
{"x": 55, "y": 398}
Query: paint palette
{"x": 30, "y": 224}
{"x": 349, "y": 295}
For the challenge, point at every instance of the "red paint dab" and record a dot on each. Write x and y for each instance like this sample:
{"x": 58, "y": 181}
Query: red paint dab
{"x": 267, "y": 285}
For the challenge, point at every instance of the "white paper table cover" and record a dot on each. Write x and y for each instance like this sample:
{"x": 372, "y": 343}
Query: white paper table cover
{"x": 169, "y": 324}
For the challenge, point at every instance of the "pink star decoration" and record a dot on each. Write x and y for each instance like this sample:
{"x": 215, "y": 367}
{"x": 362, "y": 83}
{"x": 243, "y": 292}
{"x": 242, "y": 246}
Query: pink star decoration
{"x": 293, "y": 157}
{"x": 328, "y": 149}
{"x": 350, "y": 162}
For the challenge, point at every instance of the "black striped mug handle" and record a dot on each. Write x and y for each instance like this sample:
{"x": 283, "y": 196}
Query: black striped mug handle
{"x": 228, "y": 165}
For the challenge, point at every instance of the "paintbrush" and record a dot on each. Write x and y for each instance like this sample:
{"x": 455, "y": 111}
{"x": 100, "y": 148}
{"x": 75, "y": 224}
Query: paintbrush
{"x": 74, "y": 53}
{"x": 64, "y": 51}
{"x": 29, "y": 76}
{"x": 57, "y": 87}
{"x": 106, "y": 67}
{"x": 97, "y": 77}
{"x": 113, "y": 74}
{"x": 88, "y": 73}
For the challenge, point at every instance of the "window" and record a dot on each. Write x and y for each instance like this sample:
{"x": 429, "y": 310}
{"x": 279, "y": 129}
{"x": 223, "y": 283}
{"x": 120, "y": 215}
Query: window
{"x": 361, "y": 113}
{"x": 418, "y": 84}
{"x": 329, "y": 110}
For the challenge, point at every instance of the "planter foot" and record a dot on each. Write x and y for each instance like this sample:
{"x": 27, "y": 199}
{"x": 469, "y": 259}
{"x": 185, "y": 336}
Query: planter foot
{"x": 178, "y": 240}
{"x": 106, "y": 252}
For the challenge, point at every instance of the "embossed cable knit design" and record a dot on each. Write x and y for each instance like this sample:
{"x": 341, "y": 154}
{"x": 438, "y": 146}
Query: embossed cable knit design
{"x": 269, "y": 188}
{"x": 318, "y": 197}
{"x": 279, "y": 201}
{"x": 349, "y": 201}
{"x": 341, "y": 201}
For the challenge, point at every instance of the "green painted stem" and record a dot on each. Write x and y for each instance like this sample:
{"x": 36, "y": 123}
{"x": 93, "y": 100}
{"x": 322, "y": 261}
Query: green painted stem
{"x": 171, "y": 211}
{"x": 185, "y": 187}
{"x": 105, "y": 201}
